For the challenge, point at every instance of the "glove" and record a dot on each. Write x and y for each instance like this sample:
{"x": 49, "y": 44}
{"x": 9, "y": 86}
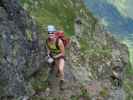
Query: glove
{"x": 50, "y": 59}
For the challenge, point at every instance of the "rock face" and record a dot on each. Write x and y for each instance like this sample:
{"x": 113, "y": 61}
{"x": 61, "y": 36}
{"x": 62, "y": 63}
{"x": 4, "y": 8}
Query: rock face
{"x": 17, "y": 52}
{"x": 93, "y": 58}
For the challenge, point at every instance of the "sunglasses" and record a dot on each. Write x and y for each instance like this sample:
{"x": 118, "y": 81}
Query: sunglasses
{"x": 50, "y": 32}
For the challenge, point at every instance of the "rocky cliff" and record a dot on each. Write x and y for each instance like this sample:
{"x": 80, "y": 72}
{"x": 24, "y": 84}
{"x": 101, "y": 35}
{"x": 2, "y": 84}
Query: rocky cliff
{"x": 17, "y": 57}
{"x": 91, "y": 60}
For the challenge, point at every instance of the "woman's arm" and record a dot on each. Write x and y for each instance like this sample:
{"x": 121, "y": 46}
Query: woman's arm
{"x": 62, "y": 49}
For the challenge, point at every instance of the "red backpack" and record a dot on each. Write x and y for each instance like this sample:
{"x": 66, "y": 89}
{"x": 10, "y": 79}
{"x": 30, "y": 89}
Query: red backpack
{"x": 60, "y": 35}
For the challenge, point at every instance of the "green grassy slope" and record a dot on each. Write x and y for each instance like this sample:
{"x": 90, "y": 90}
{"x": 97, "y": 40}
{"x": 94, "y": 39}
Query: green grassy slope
{"x": 60, "y": 13}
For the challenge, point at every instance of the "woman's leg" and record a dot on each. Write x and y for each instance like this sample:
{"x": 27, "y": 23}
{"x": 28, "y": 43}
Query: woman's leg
{"x": 56, "y": 67}
{"x": 61, "y": 68}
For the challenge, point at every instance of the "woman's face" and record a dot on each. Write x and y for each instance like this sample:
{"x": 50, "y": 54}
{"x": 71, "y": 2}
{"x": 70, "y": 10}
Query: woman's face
{"x": 51, "y": 36}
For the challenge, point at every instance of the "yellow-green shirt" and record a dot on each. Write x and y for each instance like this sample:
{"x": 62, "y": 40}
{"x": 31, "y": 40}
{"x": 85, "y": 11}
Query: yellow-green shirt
{"x": 53, "y": 48}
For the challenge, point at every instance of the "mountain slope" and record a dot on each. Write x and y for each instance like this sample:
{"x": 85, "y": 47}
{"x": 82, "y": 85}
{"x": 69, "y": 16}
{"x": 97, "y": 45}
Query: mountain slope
{"x": 97, "y": 54}
{"x": 90, "y": 60}
{"x": 117, "y": 23}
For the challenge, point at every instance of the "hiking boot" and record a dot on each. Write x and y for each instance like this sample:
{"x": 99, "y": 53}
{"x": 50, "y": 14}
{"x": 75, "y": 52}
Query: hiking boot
{"x": 62, "y": 84}
{"x": 57, "y": 75}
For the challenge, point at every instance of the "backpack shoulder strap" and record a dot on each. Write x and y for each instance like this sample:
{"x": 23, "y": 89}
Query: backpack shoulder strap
{"x": 57, "y": 43}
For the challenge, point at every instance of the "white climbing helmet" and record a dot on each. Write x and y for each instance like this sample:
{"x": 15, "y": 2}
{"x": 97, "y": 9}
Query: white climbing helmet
{"x": 51, "y": 28}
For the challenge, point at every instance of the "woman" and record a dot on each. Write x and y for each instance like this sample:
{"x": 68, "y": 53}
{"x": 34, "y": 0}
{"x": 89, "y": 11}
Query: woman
{"x": 56, "y": 51}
